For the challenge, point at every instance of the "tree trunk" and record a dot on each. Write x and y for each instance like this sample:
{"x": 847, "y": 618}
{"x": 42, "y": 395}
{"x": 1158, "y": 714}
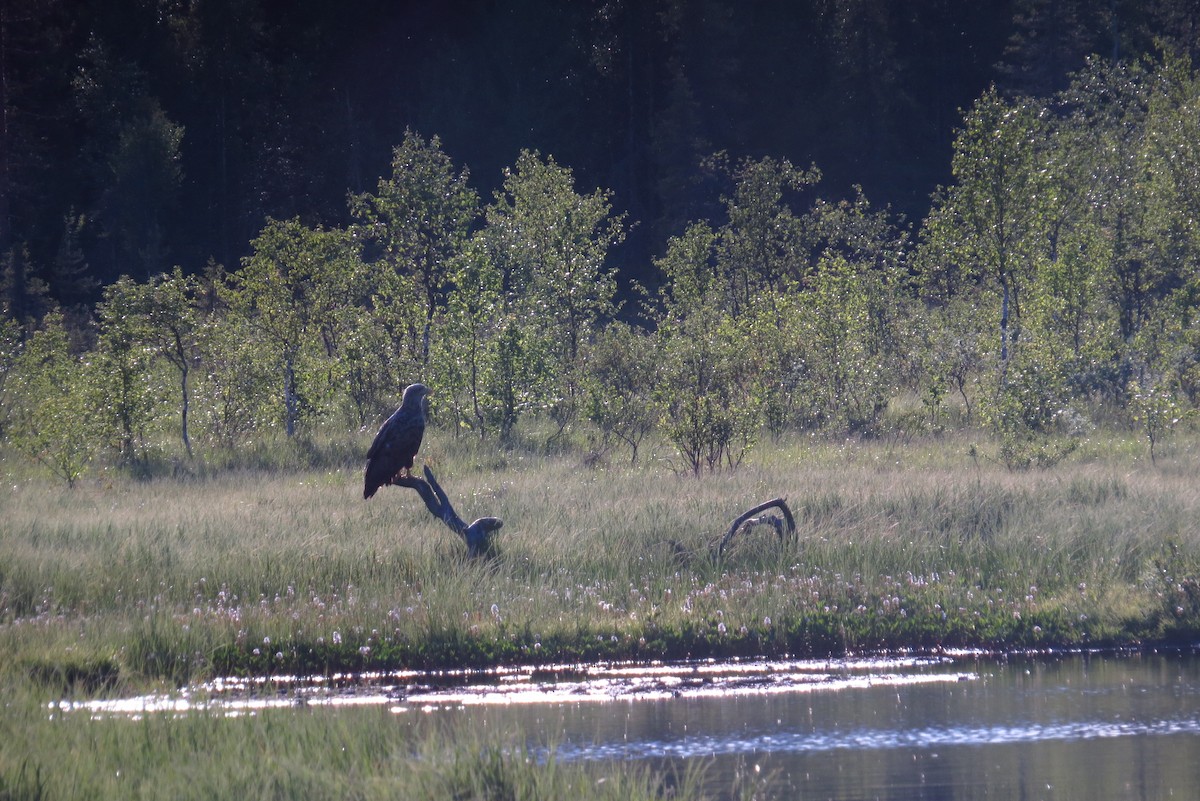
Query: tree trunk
{"x": 1004, "y": 326}
{"x": 183, "y": 386}
{"x": 290, "y": 401}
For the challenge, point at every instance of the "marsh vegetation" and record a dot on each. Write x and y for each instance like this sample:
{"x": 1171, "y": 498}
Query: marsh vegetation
{"x": 119, "y": 584}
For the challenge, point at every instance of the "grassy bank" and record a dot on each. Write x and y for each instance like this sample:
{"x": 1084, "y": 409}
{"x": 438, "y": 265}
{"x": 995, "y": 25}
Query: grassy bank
{"x": 119, "y": 584}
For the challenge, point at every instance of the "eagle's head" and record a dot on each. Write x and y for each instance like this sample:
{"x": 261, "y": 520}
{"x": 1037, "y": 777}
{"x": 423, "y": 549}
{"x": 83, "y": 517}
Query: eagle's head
{"x": 414, "y": 396}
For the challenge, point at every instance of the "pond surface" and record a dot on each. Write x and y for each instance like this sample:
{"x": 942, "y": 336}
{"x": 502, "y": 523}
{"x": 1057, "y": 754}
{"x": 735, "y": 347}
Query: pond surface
{"x": 1079, "y": 726}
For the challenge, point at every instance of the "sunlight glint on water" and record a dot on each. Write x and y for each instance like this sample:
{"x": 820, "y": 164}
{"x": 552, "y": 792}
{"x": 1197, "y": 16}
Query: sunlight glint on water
{"x": 964, "y": 726}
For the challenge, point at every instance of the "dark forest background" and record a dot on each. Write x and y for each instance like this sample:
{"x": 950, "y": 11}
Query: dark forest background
{"x": 142, "y": 134}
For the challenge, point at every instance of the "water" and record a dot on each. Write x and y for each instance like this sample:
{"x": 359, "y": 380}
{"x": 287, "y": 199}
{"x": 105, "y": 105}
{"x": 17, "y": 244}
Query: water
{"x": 1068, "y": 727}
{"x": 965, "y": 727}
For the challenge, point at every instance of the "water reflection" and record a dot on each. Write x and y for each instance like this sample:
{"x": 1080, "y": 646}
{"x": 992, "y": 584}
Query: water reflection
{"x": 1073, "y": 727}
{"x": 542, "y": 685}
{"x": 969, "y": 727}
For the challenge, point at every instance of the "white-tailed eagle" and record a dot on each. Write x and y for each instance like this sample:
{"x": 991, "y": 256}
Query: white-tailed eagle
{"x": 399, "y": 439}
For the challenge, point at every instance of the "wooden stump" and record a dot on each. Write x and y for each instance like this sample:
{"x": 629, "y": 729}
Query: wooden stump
{"x": 477, "y": 535}
{"x": 785, "y": 526}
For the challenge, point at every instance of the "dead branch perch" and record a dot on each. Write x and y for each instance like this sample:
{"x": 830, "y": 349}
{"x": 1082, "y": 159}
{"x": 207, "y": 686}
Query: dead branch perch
{"x": 747, "y": 520}
{"x": 477, "y": 535}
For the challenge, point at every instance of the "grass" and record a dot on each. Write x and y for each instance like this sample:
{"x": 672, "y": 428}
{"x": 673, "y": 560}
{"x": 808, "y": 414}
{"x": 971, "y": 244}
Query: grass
{"x": 120, "y": 585}
{"x": 301, "y": 754}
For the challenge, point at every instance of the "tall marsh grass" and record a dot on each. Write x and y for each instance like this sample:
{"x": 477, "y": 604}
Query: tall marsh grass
{"x": 920, "y": 545}
{"x": 121, "y": 584}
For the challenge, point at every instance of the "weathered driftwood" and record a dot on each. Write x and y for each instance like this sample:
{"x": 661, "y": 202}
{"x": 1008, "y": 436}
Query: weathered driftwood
{"x": 785, "y": 526}
{"x": 477, "y": 535}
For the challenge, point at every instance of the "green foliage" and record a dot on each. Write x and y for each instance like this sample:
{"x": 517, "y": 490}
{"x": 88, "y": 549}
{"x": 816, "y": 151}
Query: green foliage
{"x": 1072, "y": 322}
{"x": 520, "y": 379}
{"x": 986, "y": 228}
{"x": 847, "y": 364}
{"x": 1067, "y": 226}
{"x": 10, "y": 347}
{"x": 464, "y": 350}
{"x": 620, "y": 373}
{"x": 235, "y": 399}
{"x": 1029, "y": 419}
{"x": 494, "y": 362}
{"x": 386, "y": 340}
{"x": 948, "y": 357}
{"x": 709, "y": 415}
{"x": 774, "y": 359}
{"x": 172, "y": 330}
{"x": 759, "y": 248}
{"x": 551, "y": 245}
{"x": 690, "y": 269}
{"x": 1052, "y": 289}
{"x": 419, "y": 219}
{"x": 292, "y": 291}
{"x": 1100, "y": 159}
{"x": 814, "y": 296}
{"x": 1173, "y": 144}
{"x": 124, "y": 378}
{"x": 856, "y": 231}
{"x": 51, "y": 417}
{"x": 1156, "y": 411}
{"x": 368, "y": 368}
{"x": 540, "y": 262}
